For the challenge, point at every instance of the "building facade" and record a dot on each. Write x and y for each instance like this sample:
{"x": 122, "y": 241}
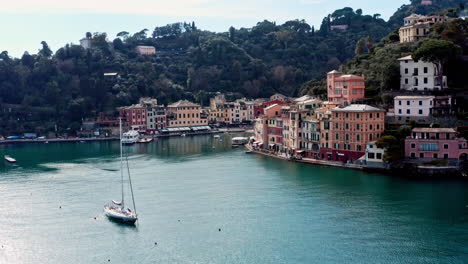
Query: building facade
{"x": 413, "y": 106}
{"x": 351, "y": 128}
{"x": 435, "y": 143}
{"x": 185, "y": 114}
{"x": 345, "y": 88}
{"x": 420, "y": 76}
{"x": 417, "y": 27}
{"x": 145, "y": 50}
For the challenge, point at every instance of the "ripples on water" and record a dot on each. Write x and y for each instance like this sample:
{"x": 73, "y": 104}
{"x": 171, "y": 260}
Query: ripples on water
{"x": 186, "y": 189}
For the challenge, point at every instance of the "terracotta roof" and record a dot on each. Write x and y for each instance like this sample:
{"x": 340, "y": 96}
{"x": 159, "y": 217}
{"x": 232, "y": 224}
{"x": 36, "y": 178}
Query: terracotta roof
{"x": 182, "y": 103}
{"x": 334, "y": 71}
{"x": 409, "y": 97}
{"x": 433, "y": 130}
{"x": 357, "y": 108}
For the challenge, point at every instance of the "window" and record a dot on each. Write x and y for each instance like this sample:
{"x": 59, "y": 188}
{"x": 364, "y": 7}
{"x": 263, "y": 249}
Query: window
{"x": 379, "y": 156}
{"x": 399, "y": 111}
{"x": 413, "y": 155}
{"x": 420, "y": 102}
{"x": 407, "y": 102}
{"x": 413, "y": 145}
{"x": 337, "y": 136}
{"x": 358, "y": 115}
{"x": 446, "y": 146}
{"x": 370, "y": 155}
{"x": 406, "y": 80}
{"x": 346, "y": 115}
{"x": 347, "y": 126}
{"x": 408, "y": 111}
{"x": 425, "y": 79}
{"x": 358, "y": 138}
{"x": 429, "y": 147}
{"x": 425, "y": 69}
{"x": 435, "y": 156}
{"x": 406, "y": 70}
{"x": 421, "y": 155}
{"x": 336, "y": 125}
{"x": 358, "y": 127}
{"x": 399, "y": 102}
{"x": 358, "y": 148}
{"x": 370, "y": 115}
{"x": 420, "y": 111}
{"x": 445, "y": 156}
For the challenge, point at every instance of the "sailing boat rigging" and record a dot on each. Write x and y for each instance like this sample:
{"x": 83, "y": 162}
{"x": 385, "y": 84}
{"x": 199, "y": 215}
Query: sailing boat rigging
{"x": 116, "y": 210}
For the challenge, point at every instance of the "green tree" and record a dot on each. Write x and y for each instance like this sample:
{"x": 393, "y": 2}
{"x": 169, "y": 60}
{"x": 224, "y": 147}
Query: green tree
{"x": 359, "y": 48}
{"x": 45, "y": 51}
{"x": 437, "y": 52}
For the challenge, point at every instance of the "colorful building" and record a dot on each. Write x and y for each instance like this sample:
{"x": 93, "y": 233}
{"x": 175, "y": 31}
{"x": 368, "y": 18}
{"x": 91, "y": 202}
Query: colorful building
{"x": 185, "y": 114}
{"x": 417, "y": 27}
{"x": 435, "y": 143}
{"x": 345, "y": 88}
{"x": 351, "y": 128}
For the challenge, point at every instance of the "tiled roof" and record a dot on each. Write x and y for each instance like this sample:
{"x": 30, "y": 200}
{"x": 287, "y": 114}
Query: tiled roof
{"x": 433, "y": 130}
{"x": 410, "y": 97}
{"x": 406, "y": 58}
{"x": 182, "y": 103}
{"x": 357, "y": 108}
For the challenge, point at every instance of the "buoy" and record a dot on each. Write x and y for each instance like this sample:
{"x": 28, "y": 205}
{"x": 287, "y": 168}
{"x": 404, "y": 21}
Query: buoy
{"x": 179, "y": 220}
{"x": 60, "y": 207}
{"x": 219, "y": 230}
{"x": 155, "y": 243}
{"x": 108, "y": 260}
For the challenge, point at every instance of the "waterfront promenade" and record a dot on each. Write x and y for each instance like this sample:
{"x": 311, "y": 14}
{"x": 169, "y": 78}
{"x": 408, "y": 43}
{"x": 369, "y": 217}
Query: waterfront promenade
{"x": 305, "y": 160}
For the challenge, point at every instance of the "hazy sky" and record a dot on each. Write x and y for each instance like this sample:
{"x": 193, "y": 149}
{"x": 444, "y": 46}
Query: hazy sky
{"x": 25, "y": 23}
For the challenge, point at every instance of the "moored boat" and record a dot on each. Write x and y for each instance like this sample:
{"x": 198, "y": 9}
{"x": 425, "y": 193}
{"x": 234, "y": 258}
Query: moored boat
{"x": 9, "y": 159}
{"x": 237, "y": 141}
{"x": 144, "y": 140}
{"x": 130, "y": 137}
{"x": 117, "y": 210}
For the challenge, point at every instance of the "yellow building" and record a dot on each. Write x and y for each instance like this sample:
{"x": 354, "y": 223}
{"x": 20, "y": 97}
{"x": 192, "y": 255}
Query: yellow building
{"x": 185, "y": 114}
{"x": 417, "y": 27}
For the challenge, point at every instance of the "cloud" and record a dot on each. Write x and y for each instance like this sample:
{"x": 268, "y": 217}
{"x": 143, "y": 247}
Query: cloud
{"x": 199, "y": 8}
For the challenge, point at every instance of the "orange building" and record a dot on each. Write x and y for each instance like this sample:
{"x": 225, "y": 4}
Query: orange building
{"x": 345, "y": 88}
{"x": 351, "y": 128}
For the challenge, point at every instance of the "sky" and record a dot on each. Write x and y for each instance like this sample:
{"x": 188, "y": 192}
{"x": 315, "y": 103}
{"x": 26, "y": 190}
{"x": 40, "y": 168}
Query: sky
{"x": 25, "y": 23}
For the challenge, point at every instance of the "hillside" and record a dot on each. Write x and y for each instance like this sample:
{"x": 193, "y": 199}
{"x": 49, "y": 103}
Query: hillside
{"x": 46, "y": 89}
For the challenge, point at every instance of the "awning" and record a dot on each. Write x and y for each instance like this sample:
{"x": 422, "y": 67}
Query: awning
{"x": 258, "y": 142}
{"x": 340, "y": 154}
{"x": 271, "y": 145}
{"x": 299, "y": 151}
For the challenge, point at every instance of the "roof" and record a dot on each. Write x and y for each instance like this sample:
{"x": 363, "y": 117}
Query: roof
{"x": 416, "y": 97}
{"x": 271, "y": 106}
{"x": 433, "y": 130}
{"x": 350, "y": 76}
{"x": 182, "y": 103}
{"x": 357, "y": 108}
{"x": 406, "y": 58}
{"x": 334, "y": 71}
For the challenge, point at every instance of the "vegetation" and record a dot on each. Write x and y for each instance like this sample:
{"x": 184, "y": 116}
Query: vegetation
{"x": 39, "y": 92}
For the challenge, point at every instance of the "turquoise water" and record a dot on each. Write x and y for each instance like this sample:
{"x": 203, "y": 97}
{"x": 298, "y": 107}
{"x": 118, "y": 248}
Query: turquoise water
{"x": 186, "y": 189}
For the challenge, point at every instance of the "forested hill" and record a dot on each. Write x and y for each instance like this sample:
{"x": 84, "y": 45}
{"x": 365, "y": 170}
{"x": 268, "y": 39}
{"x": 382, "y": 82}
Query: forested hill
{"x": 64, "y": 88}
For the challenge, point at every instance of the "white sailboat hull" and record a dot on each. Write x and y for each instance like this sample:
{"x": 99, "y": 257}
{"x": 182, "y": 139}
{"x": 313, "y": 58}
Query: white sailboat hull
{"x": 119, "y": 214}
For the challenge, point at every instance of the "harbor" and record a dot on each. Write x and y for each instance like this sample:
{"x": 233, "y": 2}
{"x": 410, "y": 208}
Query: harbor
{"x": 201, "y": 201}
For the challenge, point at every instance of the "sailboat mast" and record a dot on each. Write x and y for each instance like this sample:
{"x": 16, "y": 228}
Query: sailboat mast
{"x": 121, "y": 162}
{"x": 131, "y": 187}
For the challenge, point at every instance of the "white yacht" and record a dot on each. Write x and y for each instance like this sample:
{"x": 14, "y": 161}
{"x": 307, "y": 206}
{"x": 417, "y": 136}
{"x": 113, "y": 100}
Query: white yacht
{"x": 130, "y": 137}
{"x": 238, "y": 141}
{"x": 117, "y": 210}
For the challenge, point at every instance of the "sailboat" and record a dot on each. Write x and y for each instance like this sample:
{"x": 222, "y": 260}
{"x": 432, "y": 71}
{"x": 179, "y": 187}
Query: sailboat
{"x": 116, "y": 210}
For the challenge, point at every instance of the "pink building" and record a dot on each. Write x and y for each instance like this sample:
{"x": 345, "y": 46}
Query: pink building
{"x": 345, "y": 88}
{"x": 435, "y": 143}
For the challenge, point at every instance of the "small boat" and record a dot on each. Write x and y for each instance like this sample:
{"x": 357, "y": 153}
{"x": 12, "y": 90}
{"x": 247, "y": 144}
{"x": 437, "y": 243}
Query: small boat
{"x": 9, "y": 159}
{"x": 248, "y": 152}
{"x": 237, "y": 141}
{"x": 217, "y": 136}
{"x": 130, "y": 137}
{"x": 145, "y": 140}
{"x": 183, "y": 135}
{"x": 116, "y": 210}
{"x": 47, "y": 142}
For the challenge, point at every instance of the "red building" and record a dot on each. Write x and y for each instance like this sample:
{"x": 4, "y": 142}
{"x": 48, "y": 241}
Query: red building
{"x": 134, "y": 117}
{"x": 259, "y": 109}
{"x": 345, "y": 88}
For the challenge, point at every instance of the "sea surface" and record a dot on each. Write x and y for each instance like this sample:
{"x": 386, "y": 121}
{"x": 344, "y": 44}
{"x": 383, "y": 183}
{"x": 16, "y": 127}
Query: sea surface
{"x": 201, "y": 201}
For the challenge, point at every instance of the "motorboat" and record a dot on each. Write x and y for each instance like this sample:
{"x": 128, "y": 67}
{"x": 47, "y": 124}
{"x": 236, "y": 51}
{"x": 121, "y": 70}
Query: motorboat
{"x": 9, "y": 159}
{"x": 130, "y": 137}
{"x": 217, "y": 136}
{"x": 238, "y": 141}
{"x": 144, "y": 140}
{"x": 116, "y": 210}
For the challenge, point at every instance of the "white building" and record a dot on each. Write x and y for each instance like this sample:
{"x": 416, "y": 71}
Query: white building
{"x": 374, "y": 156}
{"x": 86, "y": 43}
{"x": 419, "y": 75}
{"x": 413, "y": 106}
{"x": 146, "y": 50}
